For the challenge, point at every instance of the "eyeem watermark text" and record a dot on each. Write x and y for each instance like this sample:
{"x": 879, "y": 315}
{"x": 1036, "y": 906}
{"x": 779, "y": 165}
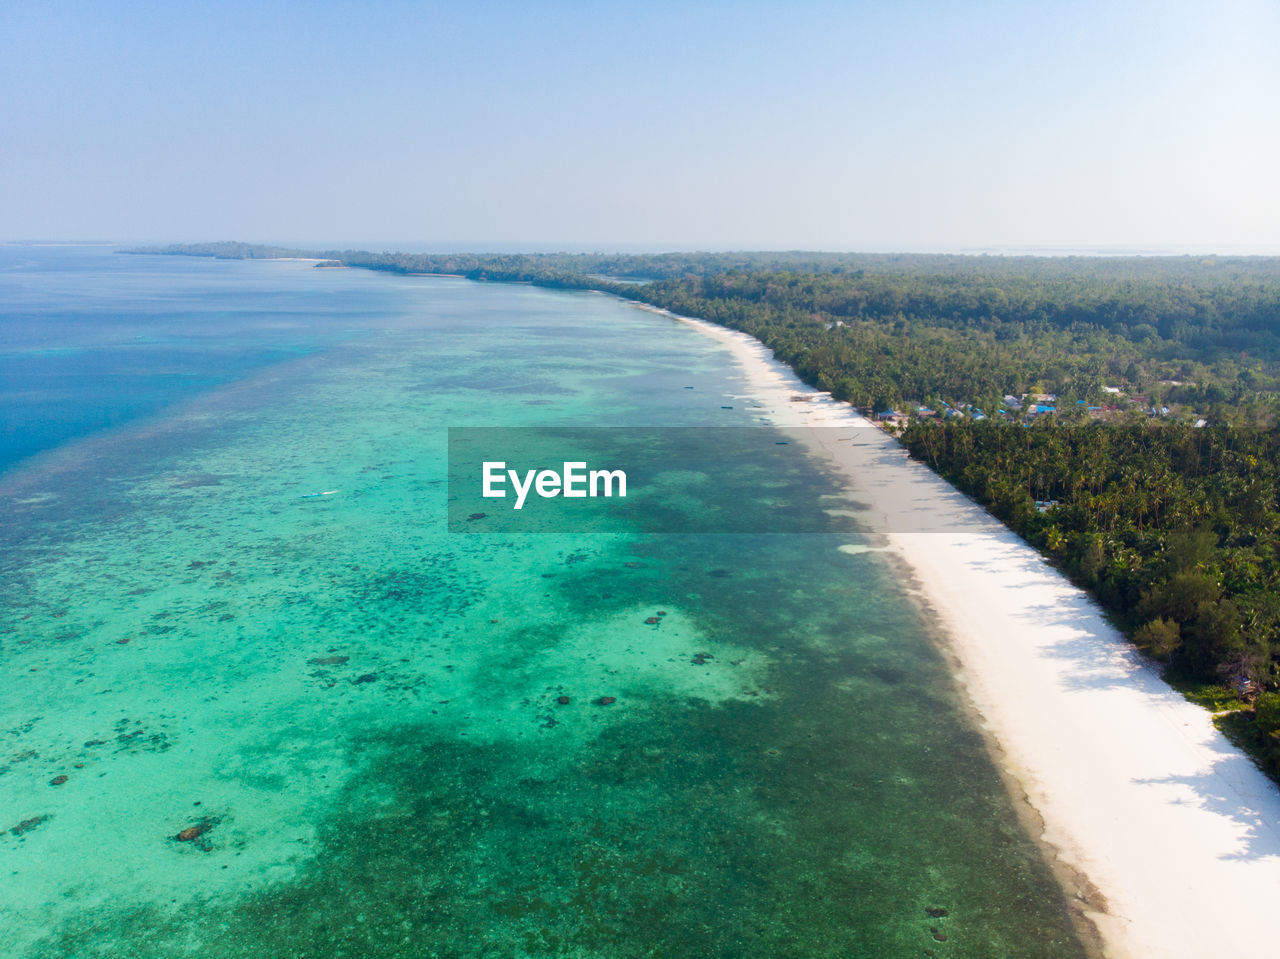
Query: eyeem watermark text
{"x": 575, "y": 481}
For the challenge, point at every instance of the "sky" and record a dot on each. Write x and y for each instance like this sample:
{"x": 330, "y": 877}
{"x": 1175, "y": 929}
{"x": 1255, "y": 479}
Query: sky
{"x": 897, "y": 125}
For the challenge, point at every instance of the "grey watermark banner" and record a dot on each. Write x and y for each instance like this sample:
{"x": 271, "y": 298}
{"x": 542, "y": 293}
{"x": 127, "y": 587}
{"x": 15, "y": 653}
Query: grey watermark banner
{"x": 635, "y": 479}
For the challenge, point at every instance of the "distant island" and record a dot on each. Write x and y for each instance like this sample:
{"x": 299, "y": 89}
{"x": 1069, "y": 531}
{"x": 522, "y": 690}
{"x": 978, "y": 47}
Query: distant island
{"x": 1119, "y": 413}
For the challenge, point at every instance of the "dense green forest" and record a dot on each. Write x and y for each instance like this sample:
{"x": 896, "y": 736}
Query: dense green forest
{"x": 1173, "y": 528}
{"x": 1170, "y": 331}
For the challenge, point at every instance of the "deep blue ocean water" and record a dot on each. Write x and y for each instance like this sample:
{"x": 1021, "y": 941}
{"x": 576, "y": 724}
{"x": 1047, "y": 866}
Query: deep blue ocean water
{"x": 91, "y": 339}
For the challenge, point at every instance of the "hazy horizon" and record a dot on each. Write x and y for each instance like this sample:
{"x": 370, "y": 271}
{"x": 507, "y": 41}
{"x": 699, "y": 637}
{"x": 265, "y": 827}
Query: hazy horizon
{"x": 502, "y": 247}
{"x": 914, "y": 127}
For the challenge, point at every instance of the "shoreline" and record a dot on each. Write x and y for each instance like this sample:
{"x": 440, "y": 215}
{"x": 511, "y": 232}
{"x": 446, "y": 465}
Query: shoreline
{"x": 1165, "y": 837}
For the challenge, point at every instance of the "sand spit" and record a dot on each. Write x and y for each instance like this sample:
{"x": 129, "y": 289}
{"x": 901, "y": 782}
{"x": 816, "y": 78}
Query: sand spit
{"x": 1140, "y": 796}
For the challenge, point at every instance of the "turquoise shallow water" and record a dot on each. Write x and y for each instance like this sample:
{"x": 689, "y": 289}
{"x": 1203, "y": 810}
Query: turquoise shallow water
{"x": 354, "y": 716}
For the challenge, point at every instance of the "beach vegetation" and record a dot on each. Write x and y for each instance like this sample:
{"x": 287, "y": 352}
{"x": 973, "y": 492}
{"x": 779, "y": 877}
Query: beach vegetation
{"x": 1161, "y": 637}
{"x": 1266, "y": 714}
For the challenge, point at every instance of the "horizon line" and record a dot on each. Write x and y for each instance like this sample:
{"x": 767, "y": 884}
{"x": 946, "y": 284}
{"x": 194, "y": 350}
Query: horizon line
{"x": 425, "y": 247}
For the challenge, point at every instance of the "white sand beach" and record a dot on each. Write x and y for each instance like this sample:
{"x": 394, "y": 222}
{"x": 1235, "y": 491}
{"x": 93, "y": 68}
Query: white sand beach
{"x": 1140, "y": 796}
